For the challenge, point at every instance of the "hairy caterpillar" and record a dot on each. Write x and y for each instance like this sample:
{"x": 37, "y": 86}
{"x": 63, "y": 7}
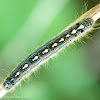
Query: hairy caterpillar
{"x": 79, "y": 28}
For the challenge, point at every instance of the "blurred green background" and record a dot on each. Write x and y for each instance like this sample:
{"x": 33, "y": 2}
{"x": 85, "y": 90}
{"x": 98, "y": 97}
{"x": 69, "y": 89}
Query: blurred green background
{"x": 74, "y": 74}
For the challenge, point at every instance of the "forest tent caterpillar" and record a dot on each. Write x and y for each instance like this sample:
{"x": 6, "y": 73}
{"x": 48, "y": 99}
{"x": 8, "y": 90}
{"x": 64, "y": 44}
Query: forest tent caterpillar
{"x": 79, "y": 28}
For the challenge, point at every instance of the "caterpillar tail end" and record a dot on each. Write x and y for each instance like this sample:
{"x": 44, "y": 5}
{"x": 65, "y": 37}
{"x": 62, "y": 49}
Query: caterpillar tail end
{"x": 2, "y": 91}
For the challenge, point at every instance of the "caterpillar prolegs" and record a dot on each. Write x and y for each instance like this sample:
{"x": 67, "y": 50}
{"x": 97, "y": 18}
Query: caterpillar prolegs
{"x": 77, "y": 29}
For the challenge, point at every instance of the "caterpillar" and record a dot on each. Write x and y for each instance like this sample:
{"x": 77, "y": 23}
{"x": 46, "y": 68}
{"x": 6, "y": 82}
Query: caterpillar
{"x": 78, "y": 28}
